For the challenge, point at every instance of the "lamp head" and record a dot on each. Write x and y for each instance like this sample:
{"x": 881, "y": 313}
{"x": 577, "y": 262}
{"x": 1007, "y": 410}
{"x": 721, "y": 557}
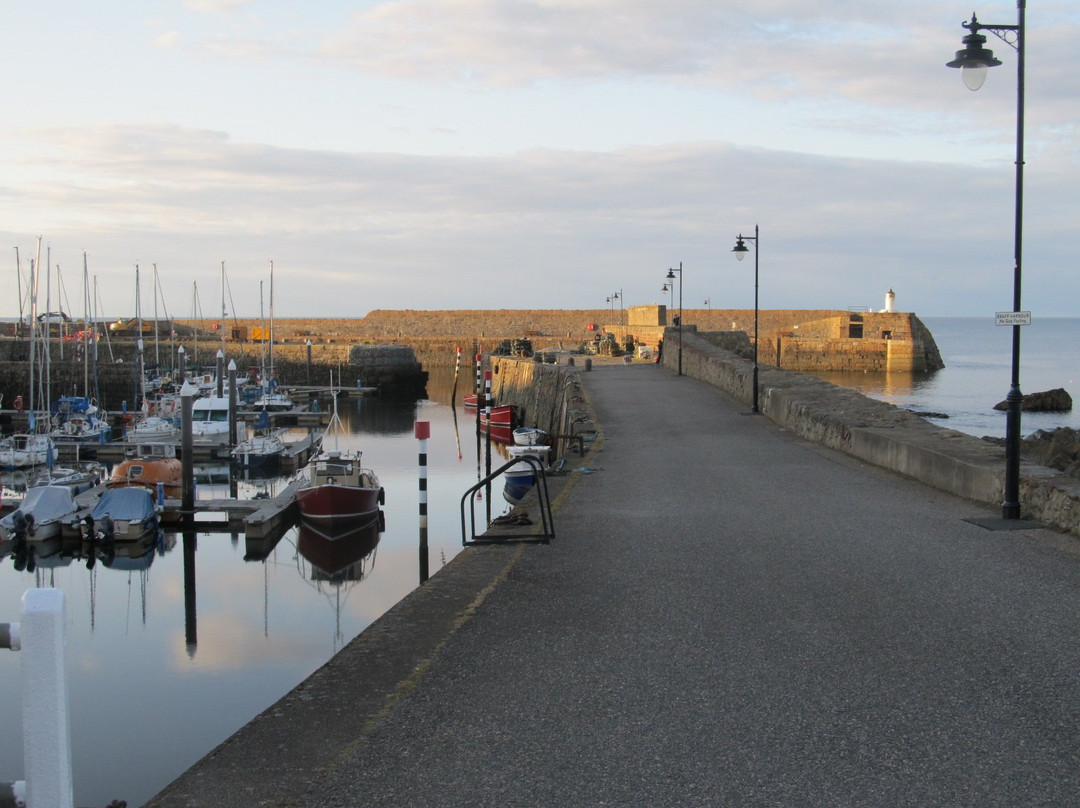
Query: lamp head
{"x": 670, "y": 274}
{"x": 974, "y": 59}
{"x": 740, "y": 249}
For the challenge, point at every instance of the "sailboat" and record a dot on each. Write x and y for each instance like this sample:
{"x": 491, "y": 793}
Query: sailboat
{"x": 273, "y": 398}
{"x": 33, "y": 447}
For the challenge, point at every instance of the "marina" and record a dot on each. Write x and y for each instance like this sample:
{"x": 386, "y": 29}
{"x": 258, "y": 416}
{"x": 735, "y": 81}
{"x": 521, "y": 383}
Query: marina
{"x": 203, "y": 630}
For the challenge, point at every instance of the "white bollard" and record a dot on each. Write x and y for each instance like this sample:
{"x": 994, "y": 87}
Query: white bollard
{"x": 46, "y": 723}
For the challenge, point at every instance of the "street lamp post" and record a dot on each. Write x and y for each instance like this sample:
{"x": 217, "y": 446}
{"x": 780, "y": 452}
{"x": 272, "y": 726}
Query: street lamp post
{"x": 611, "y": 302}
{"x": 671, "y": 277}
{"x": 974, "y": 60}
{"x": 740, "y": 249}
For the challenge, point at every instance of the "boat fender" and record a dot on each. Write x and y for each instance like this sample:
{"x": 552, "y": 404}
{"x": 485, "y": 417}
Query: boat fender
{"x": 382, "y": 496}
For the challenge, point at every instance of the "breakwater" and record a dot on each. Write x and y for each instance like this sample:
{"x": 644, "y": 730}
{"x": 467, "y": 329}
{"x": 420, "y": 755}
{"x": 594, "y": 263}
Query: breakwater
{"x": 880, "y": 433}
{"x": 307, "y": 351}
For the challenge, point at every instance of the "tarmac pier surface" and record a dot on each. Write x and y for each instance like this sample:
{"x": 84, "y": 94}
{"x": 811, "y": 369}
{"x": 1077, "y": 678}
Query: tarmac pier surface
{"x": 728, "y": 616}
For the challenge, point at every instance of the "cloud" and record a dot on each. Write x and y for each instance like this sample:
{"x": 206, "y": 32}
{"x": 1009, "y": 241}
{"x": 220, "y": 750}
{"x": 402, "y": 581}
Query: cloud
{"x": 350, "y": 232}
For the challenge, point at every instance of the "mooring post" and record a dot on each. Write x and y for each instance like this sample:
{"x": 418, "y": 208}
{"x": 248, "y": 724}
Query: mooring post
{"x": 46, "y": 723}
{"x": 422, "y": 431}
{"x": 232, "y": 403}
{"x": 187, "y": 450}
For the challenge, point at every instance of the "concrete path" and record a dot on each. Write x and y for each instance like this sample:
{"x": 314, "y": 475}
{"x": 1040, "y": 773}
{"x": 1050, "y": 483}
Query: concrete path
{"x": 727, "y": 617}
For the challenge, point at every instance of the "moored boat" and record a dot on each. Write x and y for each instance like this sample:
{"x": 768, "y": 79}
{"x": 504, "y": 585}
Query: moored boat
{"x": 262, "y": 450}
{"x": 26, "y": 450}
{"x": 339, "y": 491}
{"x": 147, "y": 466}
{"x": 124, "y": 514}
{"x": 41, "y": 513}
{"x": 499, "y": 423}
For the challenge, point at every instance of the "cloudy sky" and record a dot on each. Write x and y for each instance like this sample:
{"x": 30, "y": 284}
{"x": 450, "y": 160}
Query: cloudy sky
{"x": 533, "y": 154}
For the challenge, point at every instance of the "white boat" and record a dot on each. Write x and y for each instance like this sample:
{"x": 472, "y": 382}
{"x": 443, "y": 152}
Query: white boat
{"x": 77, "y": 419}
{"x": 154, "y": 429}
{"x": 26, "y": 450}
{"x": 210, "y": 420}
{"x": 41, "y": 513}
{"x": 529, "y": 436}
{"x": 261, "y": 450}
{"x": 77, "y": 479}
{"x": 521, "y": 476}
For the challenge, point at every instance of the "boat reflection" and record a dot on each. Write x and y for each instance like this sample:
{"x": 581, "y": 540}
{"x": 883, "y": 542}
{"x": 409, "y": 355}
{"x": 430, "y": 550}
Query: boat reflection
{"x": 339, "y": 556}
{"x": 334, "y": 562}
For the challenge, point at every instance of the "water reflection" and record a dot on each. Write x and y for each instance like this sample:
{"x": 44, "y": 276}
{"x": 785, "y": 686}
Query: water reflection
{"x": 210, "y": 629}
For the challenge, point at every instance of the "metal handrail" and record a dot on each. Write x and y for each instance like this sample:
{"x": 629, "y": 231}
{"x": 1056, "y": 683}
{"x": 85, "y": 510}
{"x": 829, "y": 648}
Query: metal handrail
{"x": 547, "y": 522}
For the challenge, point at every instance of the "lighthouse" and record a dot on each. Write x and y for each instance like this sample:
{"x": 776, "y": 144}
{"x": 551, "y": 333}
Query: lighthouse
{"x": 890, "y": 299}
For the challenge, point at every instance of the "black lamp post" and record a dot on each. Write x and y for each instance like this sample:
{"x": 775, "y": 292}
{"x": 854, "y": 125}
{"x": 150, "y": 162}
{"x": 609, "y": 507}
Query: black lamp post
{"x": 611, "y": 300}
{"x": 740, "y": 249}
{"x": 974, "y": 59}
{"x": 671, "y": 276}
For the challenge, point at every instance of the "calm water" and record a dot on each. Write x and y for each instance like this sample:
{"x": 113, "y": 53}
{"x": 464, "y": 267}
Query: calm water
{"x": 146, "y": 702}
{"x": 978, "y": 359}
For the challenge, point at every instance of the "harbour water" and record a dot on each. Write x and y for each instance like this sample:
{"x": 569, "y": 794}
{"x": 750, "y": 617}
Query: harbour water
{"x": 154, "y": 686}
{"x": 977, "y": 373}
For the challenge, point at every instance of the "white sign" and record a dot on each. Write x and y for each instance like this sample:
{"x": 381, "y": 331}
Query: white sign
{"x": 1012, "y": 318}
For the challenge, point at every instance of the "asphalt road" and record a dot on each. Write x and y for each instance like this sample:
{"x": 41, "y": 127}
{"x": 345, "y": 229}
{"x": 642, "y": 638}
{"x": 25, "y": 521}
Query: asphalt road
{"x": 730, "y": 616}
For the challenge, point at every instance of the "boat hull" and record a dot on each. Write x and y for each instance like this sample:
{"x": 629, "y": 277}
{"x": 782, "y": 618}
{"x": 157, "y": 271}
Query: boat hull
{"x": 499, "y": 424}
{"x": 333, "y": 506}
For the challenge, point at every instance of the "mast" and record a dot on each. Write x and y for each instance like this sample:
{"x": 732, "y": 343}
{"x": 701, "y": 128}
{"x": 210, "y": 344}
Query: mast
{"x": 86, "y": 327}
{"x": 271, "y": 321}
{"x": 157, "y": 330}
{"x": 18, "y": 281}
{"x": 222, "y": 308}
{"x": 34, "y": 264}
{"x": 48, "y": 333}
{"x": 262, "y": 343}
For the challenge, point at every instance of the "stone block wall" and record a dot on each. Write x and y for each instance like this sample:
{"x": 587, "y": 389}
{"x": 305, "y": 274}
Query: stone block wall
{"x": 546, "y": 396}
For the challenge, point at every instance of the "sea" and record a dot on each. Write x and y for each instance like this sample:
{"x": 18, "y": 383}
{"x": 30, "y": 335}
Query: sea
{"x": 978, "y": 373}
{"x": 162, "y": 667}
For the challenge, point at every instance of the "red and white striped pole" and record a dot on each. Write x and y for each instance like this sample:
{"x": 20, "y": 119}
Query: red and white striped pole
{"x": 422, "y": 430}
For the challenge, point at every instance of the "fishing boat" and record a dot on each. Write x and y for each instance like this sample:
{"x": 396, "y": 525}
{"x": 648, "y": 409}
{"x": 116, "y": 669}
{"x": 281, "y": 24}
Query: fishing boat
{"x": 338, "y": 491}
{"x": 473, "y": 400}
{"x": 41, "y": 513}
{"x": 124, "y": 514}
{"x": 148, "y": 466}
{"x": 499, "y": 424}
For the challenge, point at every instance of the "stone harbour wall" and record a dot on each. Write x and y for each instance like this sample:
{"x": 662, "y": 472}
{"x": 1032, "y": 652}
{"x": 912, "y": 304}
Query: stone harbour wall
{"x": 880, "y": 433}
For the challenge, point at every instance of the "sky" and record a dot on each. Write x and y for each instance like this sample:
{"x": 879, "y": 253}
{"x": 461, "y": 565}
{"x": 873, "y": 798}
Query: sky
{"x": 480, "y": 154}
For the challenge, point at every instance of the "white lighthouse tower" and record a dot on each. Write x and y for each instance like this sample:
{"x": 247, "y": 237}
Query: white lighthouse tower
{"x": 890, "y": 299}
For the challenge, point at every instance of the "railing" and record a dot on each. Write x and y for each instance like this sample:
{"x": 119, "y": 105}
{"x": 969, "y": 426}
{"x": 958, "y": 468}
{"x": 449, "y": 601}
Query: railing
{"x": 46, "y": 724}
{"x": 547, "y": 526}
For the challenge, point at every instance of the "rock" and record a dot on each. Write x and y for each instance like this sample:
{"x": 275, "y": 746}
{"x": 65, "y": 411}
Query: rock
{"x": 1056, "y": 448}
{"x": 1056, "y": 400}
